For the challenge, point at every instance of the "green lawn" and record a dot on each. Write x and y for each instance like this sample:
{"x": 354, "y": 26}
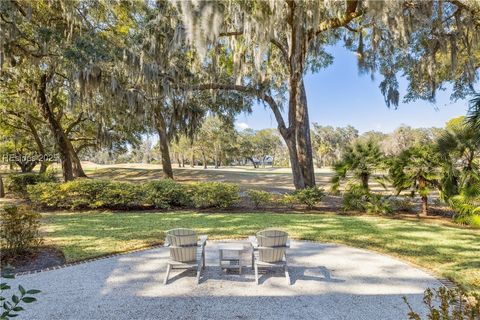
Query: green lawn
{"x": 450, "y": 252}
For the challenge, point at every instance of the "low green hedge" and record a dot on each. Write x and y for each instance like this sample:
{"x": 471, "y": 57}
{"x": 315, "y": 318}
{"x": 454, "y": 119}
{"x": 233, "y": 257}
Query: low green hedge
{"x": 161, "y": 194}
{"x": 17, "y": 183}
{"x": 213, "y": 194}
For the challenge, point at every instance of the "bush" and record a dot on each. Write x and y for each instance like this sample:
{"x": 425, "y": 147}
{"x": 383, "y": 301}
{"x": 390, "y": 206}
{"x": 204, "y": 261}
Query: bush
{"x": 86, "y": 194}
{"x": 120, "y": 195}
{"x": 17, "y": 183}
{"x": 378, "y": 204}
{"x": 452, "y": 304}
{"x": 309, "y": 196}
{"x": 288, "y": 200}
{"x": 355, "y": 198}
{"x": 358, "y": 198}
{"x": 259, "y": 197}
{"x": 47, "y": 195}
{"x": 402, "y": 204}
{"x": 19, "y": 229}
{"x": 164, "y": 194}
{"x": 83, "y": 193}
{"x": 213, "y": 194}
{"x": 467, "y": 211}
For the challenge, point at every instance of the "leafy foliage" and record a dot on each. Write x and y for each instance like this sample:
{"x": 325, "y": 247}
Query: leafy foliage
{"x": 361, "y": 160}
{"x": 12, "y": 307}
{"x": 17, "y": 183}
{"x": 356, "y": 198}
{"x": 164, "y": 194}
{"x": 309, "y": 196}
{"x": 453, "y": 304}
{"x": 19, "y": 229}
{"x": 415, "y": 169}
{"x": 213, "y": 194}
{"x": 259, "y": 197}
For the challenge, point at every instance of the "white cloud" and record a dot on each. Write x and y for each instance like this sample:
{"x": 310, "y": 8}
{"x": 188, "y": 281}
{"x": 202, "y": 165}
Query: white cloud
{"x": 242, "y": 125}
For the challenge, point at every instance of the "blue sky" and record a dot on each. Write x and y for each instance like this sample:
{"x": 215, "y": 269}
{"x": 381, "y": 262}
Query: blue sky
{"x": 340, "y": 96}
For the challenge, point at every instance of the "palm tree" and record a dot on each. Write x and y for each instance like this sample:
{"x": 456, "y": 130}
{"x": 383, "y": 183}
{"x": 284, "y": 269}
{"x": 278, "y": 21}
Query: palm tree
{"x": 361, "y": 160}
{"x": 416, "y": 169}
{"x": 473, "y": 117}
{"x": 458, "y": 147}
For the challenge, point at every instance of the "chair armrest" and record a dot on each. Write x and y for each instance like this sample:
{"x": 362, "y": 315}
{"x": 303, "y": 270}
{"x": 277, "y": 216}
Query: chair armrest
{"x": 202, "y": 240}
{"x": 253, "y": 241}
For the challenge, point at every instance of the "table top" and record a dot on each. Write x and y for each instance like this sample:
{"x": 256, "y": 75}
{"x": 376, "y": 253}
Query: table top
{"x": 232, "y": 246}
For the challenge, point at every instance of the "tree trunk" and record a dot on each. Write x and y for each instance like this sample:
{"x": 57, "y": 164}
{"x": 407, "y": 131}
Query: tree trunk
{"x": 216, "y": 158}
{"x": 2, "y": 189}
{"x": 164, "y": 150}
{"x": 365, "y": 177}
{"x": 38, "y": 141}
{"x": 61, "y": 140}
{"x": 192, "y": 157}
{"x": 204, "y": 159}
{"x": 76, "y": 163}
{"x": 422, "y": 185}
{"x": 183, "y": 160}
{"x": 253, "y": 162}
{"x": 302, "y": 134}
{"x": 298, "y": 180}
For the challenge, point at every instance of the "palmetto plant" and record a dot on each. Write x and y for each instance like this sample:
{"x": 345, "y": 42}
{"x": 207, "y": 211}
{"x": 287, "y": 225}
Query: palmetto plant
{"x": 473, "y": 118}
{"x": 361, "y": 160}
{"x": 459, "y": 148}
{"x": 415, "y": 169}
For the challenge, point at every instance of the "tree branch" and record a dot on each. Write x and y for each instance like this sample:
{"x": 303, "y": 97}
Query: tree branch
{"x": 350, "y": 14}
{"x": 75, "y": 123}
{"x": 249, "y": 90}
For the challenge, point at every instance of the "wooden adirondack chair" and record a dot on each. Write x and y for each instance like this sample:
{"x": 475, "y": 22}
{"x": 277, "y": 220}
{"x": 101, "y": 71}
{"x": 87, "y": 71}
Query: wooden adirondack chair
{"x": 186, "y": 251}
{"x": 270, "y": 250}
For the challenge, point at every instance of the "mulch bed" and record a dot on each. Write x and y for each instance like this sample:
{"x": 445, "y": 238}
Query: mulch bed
{"x": 41, "y": 258}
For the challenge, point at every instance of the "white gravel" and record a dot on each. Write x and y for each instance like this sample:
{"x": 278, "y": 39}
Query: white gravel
{"x": 329, "y": 282}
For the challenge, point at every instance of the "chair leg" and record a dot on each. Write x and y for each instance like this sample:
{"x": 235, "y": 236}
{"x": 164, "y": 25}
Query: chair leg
{"x": 169, "y": 267}
{"x": 198, "y": 275}
{"x": 203, "y": 259}
{"x": 256, "y": 273}
{"x": 287, "y": 275}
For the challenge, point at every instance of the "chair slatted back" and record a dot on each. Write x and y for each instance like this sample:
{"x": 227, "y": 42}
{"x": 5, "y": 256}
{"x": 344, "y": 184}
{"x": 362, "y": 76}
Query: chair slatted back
{"x": 272, "y": 245}
{"x": 183, "y": 244}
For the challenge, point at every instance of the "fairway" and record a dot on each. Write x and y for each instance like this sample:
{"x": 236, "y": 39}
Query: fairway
{"x": 271, "y": 179}
{"x": 450, "y": 252}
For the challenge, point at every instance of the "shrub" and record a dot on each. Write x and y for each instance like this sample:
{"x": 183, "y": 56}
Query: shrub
{"x": 166, "y": 193}
{"x": 213, "y": 194}
{"x": 86, "y": 194}
{"x": 467, "y": 211}
{"x": 19, "y": 229}
{"x": 17, "y": 183}
{"x": 355, "y": 198}
{"x": 259, "y": 197}
{"x": 309, "y": 196}
{"x": 47, "y": 195}
{"x": 402, "y": 204}
{"x": 83, "y": 193}
{"x": 12, "y": 307}
{"x": 119, "y": 195}
{"x": 358, "y": 198}
{"x": 289, "y": 200}
{"x": 452, "y": 304}
{"x": 378, "y": 204}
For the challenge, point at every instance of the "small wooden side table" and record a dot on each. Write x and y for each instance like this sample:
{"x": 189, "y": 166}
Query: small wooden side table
{"x": 230, "y": 256}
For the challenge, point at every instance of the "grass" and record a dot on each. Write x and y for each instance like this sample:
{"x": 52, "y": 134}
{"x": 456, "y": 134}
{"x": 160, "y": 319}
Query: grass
{"x": 450, "y": 252}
